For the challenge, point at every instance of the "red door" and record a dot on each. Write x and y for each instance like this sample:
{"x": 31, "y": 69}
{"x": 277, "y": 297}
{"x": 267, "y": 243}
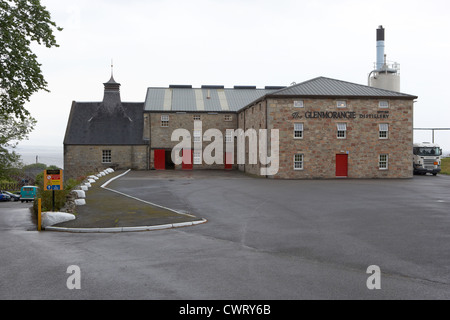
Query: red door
{"x": 341, "y": 165}
{"x": 160, "y": 159}
{"x": 228, "y": 161}
{"x": 187, "y": 160}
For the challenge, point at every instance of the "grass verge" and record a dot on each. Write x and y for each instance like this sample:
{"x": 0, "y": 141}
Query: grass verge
{"x": 107, "y": 209}
{"x": 445, "y": 166}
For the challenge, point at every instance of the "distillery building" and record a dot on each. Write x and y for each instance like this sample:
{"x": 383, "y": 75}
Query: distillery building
{"x": 320, "y": 128}
{"x": 330, "y": 128}
{"x": 326, "y": 128}
{"x": 197, "y": 111}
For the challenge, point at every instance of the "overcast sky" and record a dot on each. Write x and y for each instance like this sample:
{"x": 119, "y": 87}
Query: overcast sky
{"x": 239, "y": 42}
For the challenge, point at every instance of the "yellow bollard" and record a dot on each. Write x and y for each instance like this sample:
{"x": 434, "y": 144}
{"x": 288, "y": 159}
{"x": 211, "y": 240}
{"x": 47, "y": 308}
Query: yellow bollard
{"x": 39, "y": 214}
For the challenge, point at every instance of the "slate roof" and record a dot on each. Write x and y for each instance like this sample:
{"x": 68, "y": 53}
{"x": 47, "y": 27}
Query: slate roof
{"x": 112, "y": 122}
{"x": 92, "y": 124}
{"x": 327, "y": 87}
{"x": 205, "y": 99}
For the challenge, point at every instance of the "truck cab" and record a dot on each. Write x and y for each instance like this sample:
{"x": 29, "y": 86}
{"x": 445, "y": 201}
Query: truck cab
{"x": 427, "y": 158}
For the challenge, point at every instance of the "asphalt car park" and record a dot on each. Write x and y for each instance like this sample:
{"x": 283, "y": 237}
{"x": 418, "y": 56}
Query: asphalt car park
{"x": 5, "y": 205}
{"x": 400, "y": 225}
{"x": 264, "y": 239}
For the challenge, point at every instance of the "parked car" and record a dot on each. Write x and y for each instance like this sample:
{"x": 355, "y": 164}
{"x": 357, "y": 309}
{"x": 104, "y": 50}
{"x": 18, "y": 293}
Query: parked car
{"x": 13, "y": 196}
{"x": 28, "y": 193}
{"x": 4, "y": 197}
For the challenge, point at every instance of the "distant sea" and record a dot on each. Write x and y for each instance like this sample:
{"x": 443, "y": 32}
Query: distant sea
{"x": 41, "y": 154}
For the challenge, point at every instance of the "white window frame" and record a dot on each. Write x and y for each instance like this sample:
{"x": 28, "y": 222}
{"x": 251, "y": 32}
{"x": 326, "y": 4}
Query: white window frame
{"x": 341, "y": 104}
{"x": 197, "y": 117}
{"x": 197, "y": 157}
{"x": 341, "y": 131}
{"x": 229, "y": 134}
{"x": 384, "y": 131}
{"x": 383, "y": 161}
{"x": 228, "y": 117}
{"x": 197, "y": 136}
{"x": 298, "y": 161}
{"x": 299, "y": 104}
{"x": 165, "y": 121}
{"x": 383, "y": 104}
{"x": 106, "y": 156}
{"x": 298, "y": 130}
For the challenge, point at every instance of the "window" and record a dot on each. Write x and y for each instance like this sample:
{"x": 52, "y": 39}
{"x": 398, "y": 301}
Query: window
{"x": 341, "y": 104}
{"x": 298, "y": 130}
{"x": 384, "y": 131}
{"x": 298, "y": 162}
{"x": 106, "y": 156}
{"x": 228, "y": 117}
{"x": 384, "y": 104}
{"x": 341, "y": 130}
{"x": 197, "y": 118}
{"x": 197, "y": 157}
{"x": 229, "y": 135}
{"x": 164, "y": 121}
{"x": 383, "y": 161}
{"x": 298, "y": 104}
{"x": 197, "y": 136}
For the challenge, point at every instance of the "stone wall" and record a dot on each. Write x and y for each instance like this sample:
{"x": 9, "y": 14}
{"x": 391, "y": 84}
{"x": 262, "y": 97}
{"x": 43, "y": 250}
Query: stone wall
{"x": 84, "y": 160}
{"x": 161, "y": 136}
{"x": 253, "y": 117}
{"x": 320, "y": 144}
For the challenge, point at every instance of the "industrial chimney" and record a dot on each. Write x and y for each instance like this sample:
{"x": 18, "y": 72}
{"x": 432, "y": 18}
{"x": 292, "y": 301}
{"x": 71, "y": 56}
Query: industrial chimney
{"x": 380, "y": 47}
{"x": 386, "y": 75}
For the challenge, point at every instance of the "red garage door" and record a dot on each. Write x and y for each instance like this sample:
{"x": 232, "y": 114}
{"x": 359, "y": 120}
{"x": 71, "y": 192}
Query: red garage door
{"x": 228, "y": 161}
{"x": 160, "y": 159}
{"x": 341, "y": 165}
{"x": 187, "y": 160}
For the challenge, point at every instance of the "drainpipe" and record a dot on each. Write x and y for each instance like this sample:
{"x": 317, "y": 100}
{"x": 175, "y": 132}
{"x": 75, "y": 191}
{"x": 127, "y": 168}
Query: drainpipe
{"x": 149, "y": 147}
{"x": 267, "y": 135}
{"x": 245, "y": 171}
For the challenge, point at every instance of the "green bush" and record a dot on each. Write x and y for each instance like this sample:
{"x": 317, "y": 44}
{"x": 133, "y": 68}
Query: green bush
{"x": 47, "y": 196}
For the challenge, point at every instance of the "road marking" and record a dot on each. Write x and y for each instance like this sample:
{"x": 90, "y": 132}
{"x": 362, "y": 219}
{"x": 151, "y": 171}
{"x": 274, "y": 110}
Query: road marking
{"x": 144, "y": 201}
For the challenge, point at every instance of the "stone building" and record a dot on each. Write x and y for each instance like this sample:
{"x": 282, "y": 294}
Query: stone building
{"x": 326, "y": 128}
{"x": 330, "y": 128}
{"x": 105, "y": 134}
{"x": 182, "y": 107}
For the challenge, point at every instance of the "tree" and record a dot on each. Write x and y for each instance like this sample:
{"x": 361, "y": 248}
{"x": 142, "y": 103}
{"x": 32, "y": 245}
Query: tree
{"x": 12, "y": 130}
{"x": 21, "y": 23}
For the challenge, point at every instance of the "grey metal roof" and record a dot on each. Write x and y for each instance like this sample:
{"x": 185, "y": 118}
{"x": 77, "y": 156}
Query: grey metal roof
{"x": 205, "y": 99}
{"x": 181, "y": 98}
{"x": 326, "y": 87}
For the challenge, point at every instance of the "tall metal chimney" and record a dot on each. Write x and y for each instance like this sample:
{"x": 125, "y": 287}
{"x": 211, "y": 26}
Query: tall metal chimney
{"x": 386, "y": 75}
{"x": 380, "y": 48}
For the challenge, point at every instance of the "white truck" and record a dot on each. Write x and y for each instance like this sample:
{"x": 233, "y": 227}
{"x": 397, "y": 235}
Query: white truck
{"x": 427, "y": 158}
